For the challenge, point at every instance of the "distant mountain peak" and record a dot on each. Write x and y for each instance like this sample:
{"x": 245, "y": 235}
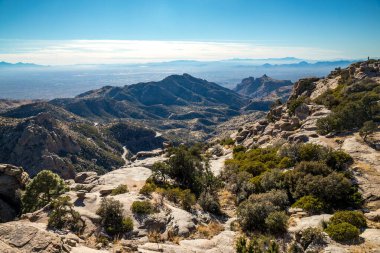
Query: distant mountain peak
{"x": 264, "y": 89}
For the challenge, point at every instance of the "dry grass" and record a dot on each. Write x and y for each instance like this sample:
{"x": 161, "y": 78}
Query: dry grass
{"x": 173, "y": 237}
{"x": 227, "y": 202}
{"x": 210, "y": 230}
{"x": 155, "y": 236}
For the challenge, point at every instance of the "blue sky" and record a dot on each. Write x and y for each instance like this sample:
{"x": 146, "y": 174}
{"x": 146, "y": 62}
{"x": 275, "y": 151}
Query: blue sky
{"x": 109, "y": 31}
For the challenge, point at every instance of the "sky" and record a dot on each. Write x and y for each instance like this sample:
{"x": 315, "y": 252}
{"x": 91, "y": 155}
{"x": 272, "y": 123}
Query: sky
{"x": 60, "y": 32}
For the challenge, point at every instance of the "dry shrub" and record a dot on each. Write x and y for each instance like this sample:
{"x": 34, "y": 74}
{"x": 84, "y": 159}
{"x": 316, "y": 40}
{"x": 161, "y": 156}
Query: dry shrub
{"x": 210, "y": 230}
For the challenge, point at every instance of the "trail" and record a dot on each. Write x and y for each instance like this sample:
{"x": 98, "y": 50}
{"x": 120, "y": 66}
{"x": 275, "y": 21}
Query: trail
{"x": 125, "y": 155}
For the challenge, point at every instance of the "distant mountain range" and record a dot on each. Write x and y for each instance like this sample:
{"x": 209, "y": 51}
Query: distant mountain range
{"x": 267, "y": 62}
{"x": 4, "y": 64}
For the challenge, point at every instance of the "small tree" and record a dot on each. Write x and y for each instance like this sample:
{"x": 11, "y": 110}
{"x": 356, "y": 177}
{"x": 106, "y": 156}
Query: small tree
{"x": 113, "y": 221}
{"x": 63, "y": 216}
{"x": 45, "y": 187}
{"x": 368, "y": 128}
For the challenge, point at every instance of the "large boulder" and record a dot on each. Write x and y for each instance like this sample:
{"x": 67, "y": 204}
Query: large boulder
{"x": 23, "y": 236}
{"x": 86, "y": 177}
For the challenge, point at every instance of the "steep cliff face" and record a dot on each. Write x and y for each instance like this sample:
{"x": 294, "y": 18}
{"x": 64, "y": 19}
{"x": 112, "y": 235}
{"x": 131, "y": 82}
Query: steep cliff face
{"x": 12, "y": 180}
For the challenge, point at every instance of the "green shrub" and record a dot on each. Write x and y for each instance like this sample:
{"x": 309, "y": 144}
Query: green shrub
{"x": 285, "y": 162}
{"x": 63, "y": 216}
{"x": 251, "y": 215}
{"x": 355, "y": 218}
{"x": 188, "y": 168}
{"x": 122, "y": 188}
{"x": 128, "y": 224}
{"x": 227, "y": 141}
{"x": 256, "y": 245}
{"x": 277, "y": 222}
{"x": 273, "y": 179}
{"x": 173, "y": 194}
{"x": 318, "y": 180}
{"x": 43, "y": 188}
{"x": 142, "y": 207}
{"x": 187, "y": 199}
{"x": 148, "y": 188}
{"x": 278, "y": 198}
{"x": 239, "y": 149}
{"x": 368, "y": 128}
{"x": 310, "y": 204}
{"x": 209, "y": 202}
{"x": 338, "y": 160}
{"x": 343, "y": 232}
{"x": 112, "y": 219}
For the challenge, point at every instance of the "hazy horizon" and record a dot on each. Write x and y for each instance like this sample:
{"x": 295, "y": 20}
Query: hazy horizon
{"x": 53, "y": 32}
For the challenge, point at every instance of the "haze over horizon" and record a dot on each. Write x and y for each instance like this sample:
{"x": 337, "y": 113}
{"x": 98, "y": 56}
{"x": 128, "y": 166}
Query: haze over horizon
{"x": 113, "y": 32}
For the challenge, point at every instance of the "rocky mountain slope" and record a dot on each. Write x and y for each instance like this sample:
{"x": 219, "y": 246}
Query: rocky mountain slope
{"x": 264, "y": 91}
{"x": 183, "y": 106}
{"x": 324, "y": 112}
{"x": 41, "y": 136}
{"x": 175, "y": 97}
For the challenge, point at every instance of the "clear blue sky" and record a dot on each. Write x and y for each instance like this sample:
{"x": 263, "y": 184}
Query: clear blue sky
{"x": 351, "y": 27}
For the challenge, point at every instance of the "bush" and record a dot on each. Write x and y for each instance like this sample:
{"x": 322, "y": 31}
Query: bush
{"x": 256, "y": 245}
{"x": 309, "y": 236}
{"x": 310, "y": 204}
{"x": 251, "y": 215}
{"x": 43, "y": 188}
{"x": 368, "y": 128}
{"x": 318, "y": 180}
{"x": 354, "y": 218}
{"x": 148, "y": 188}
{"x": 112, "y": 219}
{"x": 142, "y": 207}
{"x": 187, "y": 199}
{"x": 277, "y": 222}
{"x": 173, "y": 194}
{"x": 238, "y": 149}
{"x": 123, "y": 188}
{"x": 209, "y": 202}
{"x": 338, "y": 160}
{"x": 63, "y": 216}
{"x": 128, "y": 224}
{"x": 343, "y": 232}
{"x": 278, "y": 198}
{"x": 273, "y": 179}
{"x": 227, "y": 141}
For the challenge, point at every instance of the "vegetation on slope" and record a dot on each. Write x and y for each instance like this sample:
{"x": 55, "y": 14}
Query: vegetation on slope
{"x": 353, "y": 103}
{"x": 267, "y": 181}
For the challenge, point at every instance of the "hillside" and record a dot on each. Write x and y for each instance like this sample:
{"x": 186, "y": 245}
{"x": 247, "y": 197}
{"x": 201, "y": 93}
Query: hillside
{"x": 339, "y": 113}
{"x": 42, "y": 136}
{"x": 289, "y": 182}
{"x": 184, "y": 107}
{"x": 264, "y": 91}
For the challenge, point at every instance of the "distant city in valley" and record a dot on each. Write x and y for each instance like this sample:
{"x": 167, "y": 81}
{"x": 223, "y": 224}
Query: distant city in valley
{"x": 32, "y": 81}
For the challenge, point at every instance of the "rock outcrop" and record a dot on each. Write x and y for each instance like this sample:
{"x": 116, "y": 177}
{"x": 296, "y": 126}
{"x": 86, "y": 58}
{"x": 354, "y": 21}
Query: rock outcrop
{"x": 20, "y": 236}
{"x": 12, "y": 180}
{"x": 263, "y": 91}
